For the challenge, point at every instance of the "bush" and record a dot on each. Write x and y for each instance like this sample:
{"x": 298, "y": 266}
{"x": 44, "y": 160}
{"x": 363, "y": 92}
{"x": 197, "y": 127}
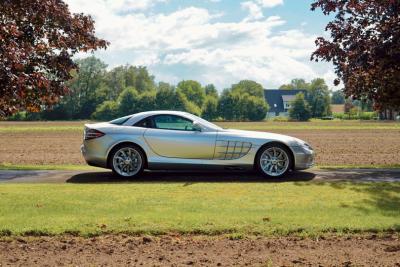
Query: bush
{"x": 280, "y": 119}
{"x": 354, "y": 116}
{"x": 20, "y": 116}
{"x": 368, "y": 116}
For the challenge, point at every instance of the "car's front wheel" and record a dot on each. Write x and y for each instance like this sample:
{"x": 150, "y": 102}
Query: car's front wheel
{"x": 274, "y": 160}
{"x": 127, "y": 161}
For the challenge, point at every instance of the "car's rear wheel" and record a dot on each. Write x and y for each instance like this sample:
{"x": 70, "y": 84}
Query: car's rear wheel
{"x": 274, "y": 160}
{"x": 127, "y": 161}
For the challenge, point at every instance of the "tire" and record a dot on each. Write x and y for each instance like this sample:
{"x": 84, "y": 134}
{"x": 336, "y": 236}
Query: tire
{"x": 127, "y": 161}
{"x": 274, "y": 164}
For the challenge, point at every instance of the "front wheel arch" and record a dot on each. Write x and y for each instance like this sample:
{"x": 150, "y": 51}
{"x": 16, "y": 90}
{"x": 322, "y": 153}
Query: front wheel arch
{"x": 291, "y": 155}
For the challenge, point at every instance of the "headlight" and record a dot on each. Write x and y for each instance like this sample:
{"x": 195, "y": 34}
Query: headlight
{"x": 308, "y": 146}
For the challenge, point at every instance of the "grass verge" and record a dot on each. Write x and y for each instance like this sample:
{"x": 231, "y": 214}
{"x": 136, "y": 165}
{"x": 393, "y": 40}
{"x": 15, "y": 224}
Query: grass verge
{"x": 66, "y": 167}
{"x": 238, "y": 208}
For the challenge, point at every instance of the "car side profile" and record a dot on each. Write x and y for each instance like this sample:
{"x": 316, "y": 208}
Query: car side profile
{"x": 168, "y": 140}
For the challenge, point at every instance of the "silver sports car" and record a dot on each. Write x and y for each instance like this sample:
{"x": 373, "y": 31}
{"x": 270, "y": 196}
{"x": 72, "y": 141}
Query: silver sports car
{"x": 167, "y": 140}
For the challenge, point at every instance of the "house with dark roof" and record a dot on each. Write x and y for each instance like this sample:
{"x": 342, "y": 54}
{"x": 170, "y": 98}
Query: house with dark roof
{"x": 279, "y": 101}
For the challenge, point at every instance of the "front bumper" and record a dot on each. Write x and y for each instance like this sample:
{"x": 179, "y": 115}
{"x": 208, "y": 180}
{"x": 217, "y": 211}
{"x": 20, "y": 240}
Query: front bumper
{"x": 303, "y": 157}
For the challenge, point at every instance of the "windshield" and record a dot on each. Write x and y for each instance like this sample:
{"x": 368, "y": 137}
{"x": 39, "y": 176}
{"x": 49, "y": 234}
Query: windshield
{"x": 206, "y": 123}
{"x": 120, "y": 121}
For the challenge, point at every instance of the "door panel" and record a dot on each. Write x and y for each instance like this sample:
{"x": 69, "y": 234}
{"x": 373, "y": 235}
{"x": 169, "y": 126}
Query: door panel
{"x": 181, "y": 144}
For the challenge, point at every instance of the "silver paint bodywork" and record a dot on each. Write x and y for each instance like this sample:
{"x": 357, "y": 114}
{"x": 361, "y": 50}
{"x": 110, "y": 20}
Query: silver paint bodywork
{"x": 172, "y": 149}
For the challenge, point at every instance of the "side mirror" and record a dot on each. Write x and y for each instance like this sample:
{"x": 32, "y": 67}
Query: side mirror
{"x": 196, "y": 127}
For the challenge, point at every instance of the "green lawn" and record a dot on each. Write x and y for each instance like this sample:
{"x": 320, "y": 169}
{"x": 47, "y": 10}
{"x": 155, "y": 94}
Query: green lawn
{"x": 304, "y": 208}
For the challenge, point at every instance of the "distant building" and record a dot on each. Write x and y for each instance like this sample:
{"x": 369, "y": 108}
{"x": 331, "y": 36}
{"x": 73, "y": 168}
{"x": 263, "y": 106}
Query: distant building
{"x": 280, "y": 101}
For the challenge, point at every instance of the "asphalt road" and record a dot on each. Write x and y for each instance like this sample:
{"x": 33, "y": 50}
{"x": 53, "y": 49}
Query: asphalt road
{"x": 354, "y": 175}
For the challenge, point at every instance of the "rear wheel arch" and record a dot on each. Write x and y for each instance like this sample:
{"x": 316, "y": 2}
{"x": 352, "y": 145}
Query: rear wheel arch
{"x": 291, "y": 154}
{"x": 122, "y": 144}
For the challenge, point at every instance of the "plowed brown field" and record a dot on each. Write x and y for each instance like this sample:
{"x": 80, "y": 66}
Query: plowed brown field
{"x": 48, "y": 143}
{"x": 200, "y": 251}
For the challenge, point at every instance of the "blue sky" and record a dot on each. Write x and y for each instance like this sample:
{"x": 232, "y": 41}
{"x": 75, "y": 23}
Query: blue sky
{"x": 212, "y": 41}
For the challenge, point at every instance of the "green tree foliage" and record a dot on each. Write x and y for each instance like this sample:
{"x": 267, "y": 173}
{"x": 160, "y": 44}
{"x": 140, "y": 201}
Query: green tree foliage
{"x": 318, "y": 98}
{"x": 254, "y": 108}
{"x": 128, "y": 102}
{"x": 108, "y": 110}
{"x": 84, "y": 95}
{"x": 193, "y": 91}
{"x": 165, "y": 97}
{"x": 337, "y": 97}
{"x": 210, "y": 108}
{"x": 139, "y": 78}
{"x": 249, "y": 87}
{"x": 147, "y": 101}
{"x": 115, "y": 80}
{"x": 183, "y": 104}
{"x": 211, "y": 90}
{"x": 295, "y": 84}
{"x": 227, "y": 105}
{"x": 244, "y": 101}
{"x": 122, "y": 77}
{"x": 299, "y": 109}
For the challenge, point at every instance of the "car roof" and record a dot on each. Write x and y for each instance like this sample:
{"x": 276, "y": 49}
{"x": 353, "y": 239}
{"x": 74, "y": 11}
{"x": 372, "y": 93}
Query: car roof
{"x": 139, "y": 116}
{"x": 157, "y": 112}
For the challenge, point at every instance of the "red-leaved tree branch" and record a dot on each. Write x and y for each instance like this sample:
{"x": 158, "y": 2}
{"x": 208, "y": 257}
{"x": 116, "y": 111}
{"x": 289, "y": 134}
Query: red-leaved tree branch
{"x": 364, "y": 48}
{"x": 38, "y": 39}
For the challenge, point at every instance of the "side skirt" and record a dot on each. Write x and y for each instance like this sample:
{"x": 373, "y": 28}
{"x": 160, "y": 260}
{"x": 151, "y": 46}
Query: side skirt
{"x": 203, "y": 167}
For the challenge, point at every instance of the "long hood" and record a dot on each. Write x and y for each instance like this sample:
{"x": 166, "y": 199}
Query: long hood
{"x": 258, "y": 138}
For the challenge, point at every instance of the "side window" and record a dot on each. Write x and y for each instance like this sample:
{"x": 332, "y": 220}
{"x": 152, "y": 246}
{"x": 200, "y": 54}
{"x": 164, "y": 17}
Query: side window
{"x": 172, "y": 122}
{"x": 145, "y": 123}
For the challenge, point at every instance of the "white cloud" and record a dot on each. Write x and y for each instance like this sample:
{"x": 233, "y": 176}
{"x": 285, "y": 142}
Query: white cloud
{"x": 104, "y": 6}
{"x": 190, "y": 43}
{"x": 255, "y": 7}
{"x": 269, "y": 3}
{"x": 255, "y": 11}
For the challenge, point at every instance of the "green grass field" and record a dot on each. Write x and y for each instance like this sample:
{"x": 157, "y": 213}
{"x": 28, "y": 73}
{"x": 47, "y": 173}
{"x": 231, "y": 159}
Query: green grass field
{"x": 235, "y": 208}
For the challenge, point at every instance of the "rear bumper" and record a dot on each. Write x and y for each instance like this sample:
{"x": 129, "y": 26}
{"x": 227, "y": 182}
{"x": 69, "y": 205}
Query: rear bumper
{"x": 93, "y": 159}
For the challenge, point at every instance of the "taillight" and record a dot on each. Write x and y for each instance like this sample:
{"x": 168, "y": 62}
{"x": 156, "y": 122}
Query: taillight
{"x": 92, "y": 134}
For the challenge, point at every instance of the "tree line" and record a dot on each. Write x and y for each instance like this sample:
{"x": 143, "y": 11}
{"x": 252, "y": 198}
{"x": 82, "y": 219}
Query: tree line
{"x": 101, "y": 94}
